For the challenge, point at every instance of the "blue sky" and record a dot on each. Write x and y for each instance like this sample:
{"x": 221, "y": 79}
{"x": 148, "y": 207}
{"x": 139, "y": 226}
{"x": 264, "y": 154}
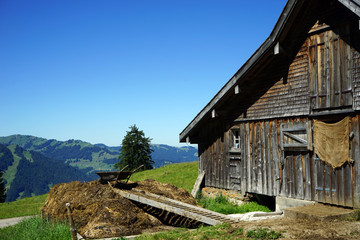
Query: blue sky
{"x": 88, "y": 69}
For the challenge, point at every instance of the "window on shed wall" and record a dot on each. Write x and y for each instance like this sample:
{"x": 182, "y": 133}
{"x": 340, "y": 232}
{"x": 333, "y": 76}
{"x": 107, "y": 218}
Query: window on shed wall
{"x": 235, "y": 139}
{"x": 329, "y": 68}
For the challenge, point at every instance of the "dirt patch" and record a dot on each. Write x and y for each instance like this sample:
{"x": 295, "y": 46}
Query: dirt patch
{"x": 166, "y": 190}
{"x": 308, "y": 229}
{"x": 99, "y": 212}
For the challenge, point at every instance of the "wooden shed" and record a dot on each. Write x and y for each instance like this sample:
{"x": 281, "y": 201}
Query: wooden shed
{"x": 287, "y": 123}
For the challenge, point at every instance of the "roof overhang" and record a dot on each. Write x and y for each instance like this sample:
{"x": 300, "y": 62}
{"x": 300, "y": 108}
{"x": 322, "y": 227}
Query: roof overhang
{"x": 282, "y": 26}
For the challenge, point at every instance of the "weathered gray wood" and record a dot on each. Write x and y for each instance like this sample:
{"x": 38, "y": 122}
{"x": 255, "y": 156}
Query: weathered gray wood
{"x": 292, "y": 175}
{"x": 197, "y": 184}
{"x": 179, "y": 208}
{"x": 227, "y": 139}
{"x": 258, "y": 156}
{"x": 269, "y": 162}
{"x": 308, "y": 180}
{"x": 327, "y": 69}
{"x": 334, "y": 191}
{"x": 348, "y": 185}
{"x": 320, "y": 187}
{"x": 313, "y": 176}
{"x": 217, "y": 154}
{"x": 73, "y": 230}
{"x": 356, "y": 158}
{"x": 237, "y": 89}
{"x": 262, "y": 161}
{"x": 353, "y": 5}
{"x": 341, "y": 186}
{"x": 327, "y": 182}
{"x": 299, "y": 177}
{"x": 276, "y": 159}
{"x": 296, "y": 138}
{"x": 253, "y": 159}
{"x": 243, "y": 164}
{"x": 248, "y": 156}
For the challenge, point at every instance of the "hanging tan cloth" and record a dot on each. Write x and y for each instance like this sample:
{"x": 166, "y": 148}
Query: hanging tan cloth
{"x": 331, "y": 142}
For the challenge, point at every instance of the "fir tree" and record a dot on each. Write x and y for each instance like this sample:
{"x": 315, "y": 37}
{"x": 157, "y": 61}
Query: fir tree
{"x": 2, "y": 188}
{"x": 135, "y": 150}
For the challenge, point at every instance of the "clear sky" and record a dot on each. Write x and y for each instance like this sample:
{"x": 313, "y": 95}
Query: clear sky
{"x": 88, "y": 69}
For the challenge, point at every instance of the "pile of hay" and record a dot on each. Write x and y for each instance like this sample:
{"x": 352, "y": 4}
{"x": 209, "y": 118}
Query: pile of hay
{"x": 98, "y": 212}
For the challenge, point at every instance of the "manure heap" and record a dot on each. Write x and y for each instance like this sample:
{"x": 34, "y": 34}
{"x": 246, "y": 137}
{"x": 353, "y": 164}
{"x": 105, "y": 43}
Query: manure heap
{"x": 100, "y": 211}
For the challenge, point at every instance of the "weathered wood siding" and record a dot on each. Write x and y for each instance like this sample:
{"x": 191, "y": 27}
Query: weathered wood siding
{"x": 213, "y": 158}
{"x": 284, "y": 96}
{"x": 323, "y": 77}
{"x": 262, "y": 167}
{"x": 330, "y": 70}
{"x": 356, "y": 78}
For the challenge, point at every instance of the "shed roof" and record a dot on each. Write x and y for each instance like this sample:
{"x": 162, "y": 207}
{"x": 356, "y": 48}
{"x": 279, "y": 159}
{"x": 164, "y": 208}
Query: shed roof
{"x": 265, "y": 52}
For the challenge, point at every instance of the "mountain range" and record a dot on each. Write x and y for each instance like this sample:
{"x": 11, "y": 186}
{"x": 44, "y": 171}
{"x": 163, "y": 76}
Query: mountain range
{"x": 33, "y": 164}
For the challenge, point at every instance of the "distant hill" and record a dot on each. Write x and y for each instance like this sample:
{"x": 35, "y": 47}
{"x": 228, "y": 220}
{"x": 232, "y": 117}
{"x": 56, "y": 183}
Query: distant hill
{"x": 29, "y": 173}
{"x": 89, "y": 158}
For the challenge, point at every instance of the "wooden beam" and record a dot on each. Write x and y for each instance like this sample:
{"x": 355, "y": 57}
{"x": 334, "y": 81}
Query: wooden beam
{"x": 353, "y": 5}
{"x": 213, "y": 113}
{"x": 277, "y": 48}
{"x": 296, "y": 138}
{"x": 197, "y": 185}
{"x": 237, "y": 89}
{"x": 179, "y": 208}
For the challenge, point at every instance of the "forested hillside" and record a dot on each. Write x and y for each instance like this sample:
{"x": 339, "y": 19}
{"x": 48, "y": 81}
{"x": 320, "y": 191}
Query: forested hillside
{"x": 89, "y": 157}
{"x": 29, "y": 173}
{"x": 27, "y": 159}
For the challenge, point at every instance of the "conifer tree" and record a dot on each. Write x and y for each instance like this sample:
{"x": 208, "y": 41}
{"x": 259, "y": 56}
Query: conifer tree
{"x": 2, "y": 188}
{"x": 135, "y": 150}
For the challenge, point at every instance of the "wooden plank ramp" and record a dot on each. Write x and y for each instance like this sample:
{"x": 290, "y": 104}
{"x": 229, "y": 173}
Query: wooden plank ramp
{"x": 176, "y": 207}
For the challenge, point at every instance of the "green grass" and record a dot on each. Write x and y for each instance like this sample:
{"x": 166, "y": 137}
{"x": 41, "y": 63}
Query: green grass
{"x": 222, "y": 232}
{"x": 221, "y": 204}
{"x": 36, "y": 229}
{"x": 184, "y": 178}
{"x": 263, "y": 233}
{"x": 24, "y": 207}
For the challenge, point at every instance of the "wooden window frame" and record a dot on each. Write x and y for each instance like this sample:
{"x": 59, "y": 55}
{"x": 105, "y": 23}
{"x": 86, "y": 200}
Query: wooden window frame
{"x": 235, "y": 136}
{"x": 297, "y": 143}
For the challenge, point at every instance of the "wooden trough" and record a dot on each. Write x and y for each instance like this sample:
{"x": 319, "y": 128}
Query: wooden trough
{"x": 117, "y": 175}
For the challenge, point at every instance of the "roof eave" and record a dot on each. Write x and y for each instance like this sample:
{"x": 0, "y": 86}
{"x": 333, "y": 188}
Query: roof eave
{"x": 251, "y": 62}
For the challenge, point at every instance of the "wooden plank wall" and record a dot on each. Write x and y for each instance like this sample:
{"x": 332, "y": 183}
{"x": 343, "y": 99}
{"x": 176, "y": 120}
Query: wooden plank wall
{"x": 340, "y": 186}
{"x": 330, "y": 69}
{"x": 355, "y": 155}
{"x": 261, "y": 156}
{"x": 355, "y": 73}
{"x": 286, "y": 96}
{"x": 265, "y": 169}
{"x": 214, "y": 157}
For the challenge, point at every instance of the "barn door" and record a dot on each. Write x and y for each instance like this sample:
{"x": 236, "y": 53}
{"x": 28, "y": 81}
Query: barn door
{"x": 296, "y": 146}
{"x": 235, "y": 177}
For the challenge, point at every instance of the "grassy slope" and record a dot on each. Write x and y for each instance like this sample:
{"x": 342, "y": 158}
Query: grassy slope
{"x": 24, "y": 207}
{"x": 182, "y": 175}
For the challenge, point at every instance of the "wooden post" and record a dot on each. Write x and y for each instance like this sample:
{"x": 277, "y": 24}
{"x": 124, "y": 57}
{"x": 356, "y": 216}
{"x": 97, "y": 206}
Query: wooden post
{"x": 71, "y": 223}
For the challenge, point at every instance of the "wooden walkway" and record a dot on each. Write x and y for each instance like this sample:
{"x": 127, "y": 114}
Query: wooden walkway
{"x": 176, "y": 207}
